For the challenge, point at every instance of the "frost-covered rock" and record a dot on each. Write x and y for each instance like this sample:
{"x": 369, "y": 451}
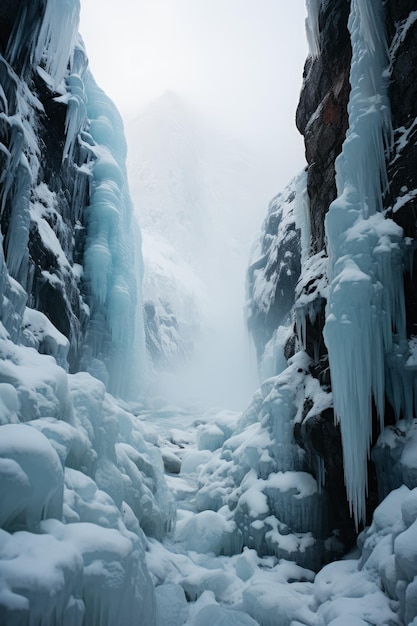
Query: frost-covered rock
{"x": 259, "y": 478}
{"x": 275, "y": 264}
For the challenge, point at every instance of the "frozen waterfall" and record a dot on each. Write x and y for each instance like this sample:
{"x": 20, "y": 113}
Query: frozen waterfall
{"x": 365, "y": 309}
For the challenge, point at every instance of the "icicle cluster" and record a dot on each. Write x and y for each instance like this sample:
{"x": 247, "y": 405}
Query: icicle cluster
{"x": 366, "y": 298}
{"x": 49, "y": 41}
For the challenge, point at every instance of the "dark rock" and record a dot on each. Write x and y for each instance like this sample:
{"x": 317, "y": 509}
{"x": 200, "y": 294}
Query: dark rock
{"x": 322, "y": 111}
{"x": 320, "y": 436}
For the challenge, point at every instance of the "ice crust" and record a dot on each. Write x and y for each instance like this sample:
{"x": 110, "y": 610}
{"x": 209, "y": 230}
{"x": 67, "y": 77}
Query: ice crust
{"x": 257, "y": 478}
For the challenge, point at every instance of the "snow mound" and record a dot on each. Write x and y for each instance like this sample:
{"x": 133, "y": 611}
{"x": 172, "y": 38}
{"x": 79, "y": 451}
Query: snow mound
{"x": 32, "y": 480}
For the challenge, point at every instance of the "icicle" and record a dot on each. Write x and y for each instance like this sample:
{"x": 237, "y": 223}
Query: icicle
{"x": 76, "y": 112}
{"x": 312, "y": 26}
{"x": 366, "y": 299}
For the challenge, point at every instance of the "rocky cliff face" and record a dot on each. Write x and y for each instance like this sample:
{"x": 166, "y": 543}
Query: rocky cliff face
{"x": 323, "y": 118}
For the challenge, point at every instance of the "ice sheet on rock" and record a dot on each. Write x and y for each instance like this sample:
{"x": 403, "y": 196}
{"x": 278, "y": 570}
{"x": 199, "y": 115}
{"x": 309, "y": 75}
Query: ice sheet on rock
{"x": 273, "y": 361}
{"x": 311, "y": 293}
{"x": 112, "y": 258}
{"x": 312, "y": 26}
{"x": 275, "y": 263}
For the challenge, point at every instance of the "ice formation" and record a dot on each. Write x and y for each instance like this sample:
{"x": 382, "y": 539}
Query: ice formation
{"x": 366, "y": 300}
{"x": 274, "y": 269}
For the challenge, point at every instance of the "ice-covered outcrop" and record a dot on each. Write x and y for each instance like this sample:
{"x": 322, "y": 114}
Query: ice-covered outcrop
{"x": 81, "y": 481}
{"x": 352, "y": 310}
{"x": 81, "y": 478}
{"x": 65, "y": 209}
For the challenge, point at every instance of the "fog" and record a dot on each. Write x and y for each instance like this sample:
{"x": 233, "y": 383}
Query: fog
{"x": 239, "y": 61}
{"x": 236, "y": 67}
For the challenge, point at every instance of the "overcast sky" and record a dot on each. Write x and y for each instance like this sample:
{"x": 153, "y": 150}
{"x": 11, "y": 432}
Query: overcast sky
{"x": 238, "y": 61}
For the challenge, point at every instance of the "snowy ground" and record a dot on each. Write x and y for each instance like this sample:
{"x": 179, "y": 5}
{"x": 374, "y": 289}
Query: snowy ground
{"x": 201, "y": 581}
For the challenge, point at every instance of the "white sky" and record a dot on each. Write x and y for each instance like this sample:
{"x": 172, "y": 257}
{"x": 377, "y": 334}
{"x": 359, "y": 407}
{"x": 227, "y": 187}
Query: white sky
{"x": 239, "y": 61}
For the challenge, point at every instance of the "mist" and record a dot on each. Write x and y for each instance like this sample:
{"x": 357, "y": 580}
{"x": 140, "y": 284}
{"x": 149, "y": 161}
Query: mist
{"x": 204, "y": 163}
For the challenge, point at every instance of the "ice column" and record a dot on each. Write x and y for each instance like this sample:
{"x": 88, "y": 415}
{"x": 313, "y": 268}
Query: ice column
{"x": 112, "y": 261}
{"x": 366, "y": 299}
